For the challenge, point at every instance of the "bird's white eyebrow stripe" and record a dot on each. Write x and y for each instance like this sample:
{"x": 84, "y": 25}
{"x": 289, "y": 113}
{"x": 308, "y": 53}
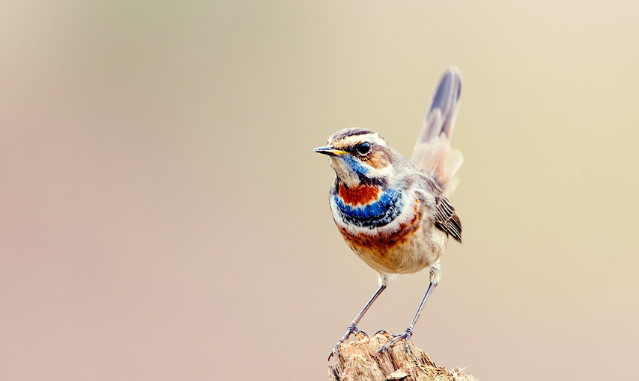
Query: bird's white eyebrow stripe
{"x": 373, "y": 137}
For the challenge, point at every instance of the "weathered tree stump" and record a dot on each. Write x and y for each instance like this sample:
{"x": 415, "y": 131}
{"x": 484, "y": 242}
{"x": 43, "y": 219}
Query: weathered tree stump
{"x": 360, "y": 361}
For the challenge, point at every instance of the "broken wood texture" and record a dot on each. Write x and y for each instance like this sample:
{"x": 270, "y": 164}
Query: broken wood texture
{"x": 360, "y": 361}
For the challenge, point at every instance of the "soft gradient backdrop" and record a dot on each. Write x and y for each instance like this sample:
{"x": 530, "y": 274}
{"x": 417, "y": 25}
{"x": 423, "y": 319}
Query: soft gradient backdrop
{"x": 164, "y": 216}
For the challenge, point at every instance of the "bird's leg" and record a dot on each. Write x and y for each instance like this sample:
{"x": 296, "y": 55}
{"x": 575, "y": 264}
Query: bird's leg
{"x": 352, "y": 328}
{"x": 406, "y": 335}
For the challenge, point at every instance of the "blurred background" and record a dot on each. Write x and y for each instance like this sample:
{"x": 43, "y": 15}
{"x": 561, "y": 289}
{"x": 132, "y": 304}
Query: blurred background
{"x": 164, "y": 216}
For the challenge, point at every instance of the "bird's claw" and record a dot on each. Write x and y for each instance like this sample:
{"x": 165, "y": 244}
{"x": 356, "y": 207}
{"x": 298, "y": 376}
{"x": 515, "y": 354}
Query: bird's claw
{"x": 352, "y": 329}
{"x": 406, "y": 335}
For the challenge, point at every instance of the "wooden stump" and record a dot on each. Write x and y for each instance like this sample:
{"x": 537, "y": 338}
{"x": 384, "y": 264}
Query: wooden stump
{"x": 359, "y": 361}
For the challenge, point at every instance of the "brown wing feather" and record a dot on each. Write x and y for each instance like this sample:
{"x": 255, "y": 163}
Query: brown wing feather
{"x": 447, "y": 220}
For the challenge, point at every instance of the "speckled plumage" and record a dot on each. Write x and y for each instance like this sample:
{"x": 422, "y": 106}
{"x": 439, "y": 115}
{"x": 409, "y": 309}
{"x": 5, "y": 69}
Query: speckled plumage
{"x": 393, "y": 212}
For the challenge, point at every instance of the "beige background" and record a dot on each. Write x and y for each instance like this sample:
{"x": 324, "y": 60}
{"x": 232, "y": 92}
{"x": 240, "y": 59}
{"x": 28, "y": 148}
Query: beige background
{"x": 164, "y": 216}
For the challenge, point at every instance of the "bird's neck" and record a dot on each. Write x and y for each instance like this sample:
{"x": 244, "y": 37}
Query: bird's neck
{"x": 359, "y": 195}
{"x": 367, "y": 205}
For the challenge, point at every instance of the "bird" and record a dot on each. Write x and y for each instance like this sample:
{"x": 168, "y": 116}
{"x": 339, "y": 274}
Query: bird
{"x": 394, "y": 212}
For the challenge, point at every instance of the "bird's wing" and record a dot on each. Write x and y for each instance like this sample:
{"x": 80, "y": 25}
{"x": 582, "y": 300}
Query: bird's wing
{"x": 431, "y": 196}
{"x": 447, "y": 220}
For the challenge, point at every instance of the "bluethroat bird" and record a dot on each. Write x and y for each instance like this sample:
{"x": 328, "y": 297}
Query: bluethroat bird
{"x": 393, "y": 212}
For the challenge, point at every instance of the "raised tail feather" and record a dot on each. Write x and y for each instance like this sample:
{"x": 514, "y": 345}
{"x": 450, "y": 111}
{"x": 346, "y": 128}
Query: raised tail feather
{"x": 432, "y": 151}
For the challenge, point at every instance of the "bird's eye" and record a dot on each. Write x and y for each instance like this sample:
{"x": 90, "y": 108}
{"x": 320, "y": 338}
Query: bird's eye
{"x": 363, "y": 148}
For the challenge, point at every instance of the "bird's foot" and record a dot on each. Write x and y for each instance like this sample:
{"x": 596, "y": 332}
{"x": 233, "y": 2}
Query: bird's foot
{"x": 352, "y": 329}
{"x": 406, "y": 335}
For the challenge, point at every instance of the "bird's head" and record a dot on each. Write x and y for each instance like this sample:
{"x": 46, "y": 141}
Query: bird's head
{"x": 361, "y": 156}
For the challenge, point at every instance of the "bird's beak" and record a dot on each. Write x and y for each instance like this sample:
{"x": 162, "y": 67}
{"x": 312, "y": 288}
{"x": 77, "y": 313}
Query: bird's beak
{"x": 330, "y": 151}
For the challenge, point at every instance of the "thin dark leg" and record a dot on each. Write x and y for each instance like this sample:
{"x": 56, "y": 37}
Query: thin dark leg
{"x": 368, "y": 305}
{"x": 430, "y": 289}
{"x": 406, "y": 335}
{"x": 352, "y": 328}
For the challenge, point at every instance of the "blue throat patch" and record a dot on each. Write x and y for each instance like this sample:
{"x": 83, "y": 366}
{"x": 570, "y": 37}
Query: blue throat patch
{"x": 355, "y": 165}
{"x": 376, "y": 214}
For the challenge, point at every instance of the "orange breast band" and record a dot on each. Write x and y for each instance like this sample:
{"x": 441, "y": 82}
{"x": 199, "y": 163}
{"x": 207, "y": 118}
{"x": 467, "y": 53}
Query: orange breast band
{"x": 360, "y": 195}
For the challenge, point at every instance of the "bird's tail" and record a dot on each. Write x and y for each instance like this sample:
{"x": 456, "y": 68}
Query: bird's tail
{"x": 432, "y": 151}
